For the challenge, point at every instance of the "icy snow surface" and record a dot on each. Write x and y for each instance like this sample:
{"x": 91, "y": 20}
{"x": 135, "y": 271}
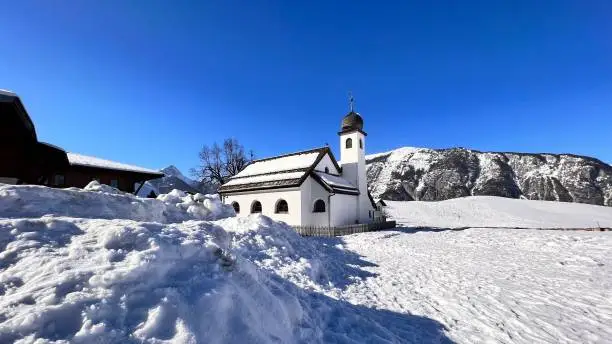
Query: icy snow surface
{"x": 84, "y": 160}
{"x": 101, "y": 266}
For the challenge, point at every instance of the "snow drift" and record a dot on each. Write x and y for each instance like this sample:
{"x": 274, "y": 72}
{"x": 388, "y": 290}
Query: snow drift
{"x": 98, "y": 201}
{"x": 98, "y": 265}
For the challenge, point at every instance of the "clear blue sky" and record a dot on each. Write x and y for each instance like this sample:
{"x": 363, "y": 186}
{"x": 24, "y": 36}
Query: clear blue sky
{"x": 149, "y": 82}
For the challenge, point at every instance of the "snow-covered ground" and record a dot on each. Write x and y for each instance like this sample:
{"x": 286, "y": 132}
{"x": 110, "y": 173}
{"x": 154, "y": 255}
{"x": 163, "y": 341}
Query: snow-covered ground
{"x": 98, "y": 265}
{"x": 489, "y": 211}
{"x": 495, "y": 285}
{"x": 492, "y": 285}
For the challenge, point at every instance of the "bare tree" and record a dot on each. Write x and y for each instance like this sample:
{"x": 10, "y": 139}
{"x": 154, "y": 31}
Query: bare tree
{"x": 218, "y": 163}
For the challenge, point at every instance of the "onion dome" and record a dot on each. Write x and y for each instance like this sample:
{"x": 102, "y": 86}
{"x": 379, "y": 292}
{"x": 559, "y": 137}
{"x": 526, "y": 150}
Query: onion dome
{"x": 352, "y": 121}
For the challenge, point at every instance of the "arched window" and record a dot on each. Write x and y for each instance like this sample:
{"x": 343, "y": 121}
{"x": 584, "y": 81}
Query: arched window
{"x": 236, "y": 207}
{"x": 360, "y": 144}
{"x": 256, "y": 207}
{"x": 349, "y": 143}
{"x": 326, "y": 169}
{"x": 281, "y": 207}
{"x": 319, "y": 206}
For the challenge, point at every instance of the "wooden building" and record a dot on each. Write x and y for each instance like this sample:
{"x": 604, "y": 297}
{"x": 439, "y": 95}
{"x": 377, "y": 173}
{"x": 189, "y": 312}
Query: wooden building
{"x": 83, "y": 169}
{"x": 25, "y": 160}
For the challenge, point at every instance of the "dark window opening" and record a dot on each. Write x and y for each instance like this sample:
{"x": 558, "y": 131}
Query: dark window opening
{"x": 326, "y": 169}
{"x": 236, "y": 207}
{"x": 360, "y": 144}
{"x": 319, "y": 206}
{"x": 349, "y": 143}
{"x": 59, "y": 180}
{"x": 256, "y": 207}
{"x": 282, "y": 207}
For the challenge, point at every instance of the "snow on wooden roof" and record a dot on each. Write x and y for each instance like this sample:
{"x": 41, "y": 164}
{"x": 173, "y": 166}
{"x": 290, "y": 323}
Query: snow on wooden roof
{"x": 281, "y": 163}
{"x": 288, "y": 170}
{"x": 7, "y": 93}
{"x": 266, "y": 178}
{"x": 90, "y": 161}
{"x": 335, "y": 181}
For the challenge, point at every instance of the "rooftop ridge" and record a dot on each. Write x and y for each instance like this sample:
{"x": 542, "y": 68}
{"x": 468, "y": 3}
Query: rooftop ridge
{"x": 319, "y": 149}
{"x": 270, "y": 173}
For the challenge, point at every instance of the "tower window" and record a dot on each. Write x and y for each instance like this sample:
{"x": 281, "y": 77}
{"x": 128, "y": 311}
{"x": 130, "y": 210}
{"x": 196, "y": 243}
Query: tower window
{"x": 319, "y": 206}
{"x": 256, "y": 207}
{"x": 236, "y": 207}
{"x": 326, "y": 169}
{"x": 349, "y": 143}
{"x": 282, "y": 207}
{"x": 360, "y": 144}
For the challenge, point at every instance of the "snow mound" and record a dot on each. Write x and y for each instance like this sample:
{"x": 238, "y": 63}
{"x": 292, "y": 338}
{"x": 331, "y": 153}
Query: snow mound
{"x": 490, "y": 211}
{"x": 124, "y": 281}
{"x": 104, "y": 202}
{"x": 84, "y": 266}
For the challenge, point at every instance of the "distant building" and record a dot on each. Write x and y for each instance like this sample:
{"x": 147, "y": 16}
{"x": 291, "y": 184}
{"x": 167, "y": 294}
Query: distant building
{"x": 25, "y": 160}
{"x": 308, "y": 188}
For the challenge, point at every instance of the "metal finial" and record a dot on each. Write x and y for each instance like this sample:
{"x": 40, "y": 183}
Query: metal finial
{"x": 351, "y": 101}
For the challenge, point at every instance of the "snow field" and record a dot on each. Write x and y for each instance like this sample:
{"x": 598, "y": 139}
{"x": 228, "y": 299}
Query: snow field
{"x": 491, "y": 285}
{"x": 496, "y": 212}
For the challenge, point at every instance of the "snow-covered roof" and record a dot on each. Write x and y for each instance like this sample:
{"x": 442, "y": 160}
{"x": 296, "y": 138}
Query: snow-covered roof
{"x": 7, "y": 93}
{"x": 266, "y": 178}
{"x": 286, "y": 162}
{"x": 288, "y": 170}
{"x": 90, "y": 161}
{"x": 336, "y": 183}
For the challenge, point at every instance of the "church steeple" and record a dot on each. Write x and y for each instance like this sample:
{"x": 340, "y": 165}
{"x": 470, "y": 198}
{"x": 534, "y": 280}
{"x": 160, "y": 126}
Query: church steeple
{"x": 352, "y": 158}
{"x": 352, "y": 121}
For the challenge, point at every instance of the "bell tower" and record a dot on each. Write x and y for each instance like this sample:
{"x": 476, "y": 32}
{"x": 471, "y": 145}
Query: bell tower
{"x": 352, "y": 159}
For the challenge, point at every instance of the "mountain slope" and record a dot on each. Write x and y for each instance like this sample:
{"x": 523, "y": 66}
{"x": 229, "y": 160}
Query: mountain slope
{"x": 408, "y": 173}
{"x": 173, "y": 179}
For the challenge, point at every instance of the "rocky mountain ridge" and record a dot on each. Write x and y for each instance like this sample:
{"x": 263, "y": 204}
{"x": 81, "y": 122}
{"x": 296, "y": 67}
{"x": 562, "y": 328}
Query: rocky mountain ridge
{"x": 410, "y": 173}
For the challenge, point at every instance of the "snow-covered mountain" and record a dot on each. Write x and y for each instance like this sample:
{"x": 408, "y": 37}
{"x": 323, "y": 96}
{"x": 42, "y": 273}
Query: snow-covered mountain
{"x": 173, "y": 179}
{"x": 437, "y": 174}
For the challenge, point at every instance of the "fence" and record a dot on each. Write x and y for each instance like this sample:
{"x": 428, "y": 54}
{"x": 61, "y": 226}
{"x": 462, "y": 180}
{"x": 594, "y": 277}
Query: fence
{"x": 343, "y": 230}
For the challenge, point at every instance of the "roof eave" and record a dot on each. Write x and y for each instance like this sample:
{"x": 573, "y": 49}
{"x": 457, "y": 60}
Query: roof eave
{"x": 343, "y": 132}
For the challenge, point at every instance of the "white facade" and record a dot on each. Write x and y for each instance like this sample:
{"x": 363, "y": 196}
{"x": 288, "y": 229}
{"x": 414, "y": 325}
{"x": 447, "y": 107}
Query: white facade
{"x": 340, "y": 209}
{"x": 352, "y": 161}
{"x": 318, "y": 190}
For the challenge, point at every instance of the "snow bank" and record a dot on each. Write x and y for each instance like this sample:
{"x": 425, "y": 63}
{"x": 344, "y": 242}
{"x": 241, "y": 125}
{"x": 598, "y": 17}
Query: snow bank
{"x": 98, "y": 265}
{"x": 489, "y": 211}
{"x": 104, "y": 202}
{"x": 86, "y": 280}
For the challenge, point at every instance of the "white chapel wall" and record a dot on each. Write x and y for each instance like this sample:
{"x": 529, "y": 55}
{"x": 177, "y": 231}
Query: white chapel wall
{"x": 268, "y": 201}
{"x": 311, "y": 191}
{"x": 327, "y": 162}
{"x": 343, "y": 209}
